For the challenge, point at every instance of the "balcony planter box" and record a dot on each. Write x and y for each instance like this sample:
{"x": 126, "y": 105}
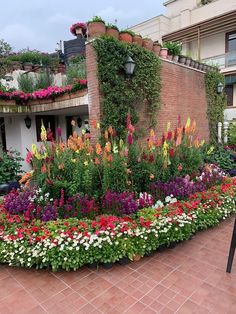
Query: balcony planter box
{"x": 96, "y": 29}
{"x": 170, "y": 57}
{"x": 182, "y": 59}
{"x": 156, "y": 48}
{"x": 126, "y": 37}
{"x": 163, "y": 53}
{"x": 113, "y": 32}
{"x": 137, "y": 39}
{"x": 148, "y": 44}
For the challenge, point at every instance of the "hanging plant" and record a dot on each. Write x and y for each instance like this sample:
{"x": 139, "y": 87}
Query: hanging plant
{"x": 78, "y": 26}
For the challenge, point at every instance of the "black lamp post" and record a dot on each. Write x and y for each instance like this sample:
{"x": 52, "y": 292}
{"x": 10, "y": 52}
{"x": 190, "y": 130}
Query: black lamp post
{"x": 220, "y": 88}
{"x": 28, "y": 122}
{"x": 129, "y": 66}
{"x": 79, "y": 122}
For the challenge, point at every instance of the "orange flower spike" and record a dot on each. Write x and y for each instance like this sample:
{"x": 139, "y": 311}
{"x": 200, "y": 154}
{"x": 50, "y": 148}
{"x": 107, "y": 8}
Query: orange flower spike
{"x": 106, "y": 135}
{"x": 110, "y": 130}
{"x": 43, "y": 168}
{"x": 150, "y": 144}
{"x": 193, "y": 128}
{"x": 98, "y": 149}
{"x": 96, "y": 161}
{"x": 94, "y": 123}
{"x": 158, "y": 143}
{"x": 109, "y": 158}
{"x": 108, "y": 147}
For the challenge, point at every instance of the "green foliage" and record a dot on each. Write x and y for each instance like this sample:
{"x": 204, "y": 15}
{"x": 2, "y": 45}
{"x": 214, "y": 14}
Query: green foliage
{"x": 34, "y": 57}
{"x": 26, "y": 83}
{"x": 218, "y": 155}
{"x": 10, "y": 166}
{"x": 29, "y": 83}
{"x": 5, "y": 48}
{"x": 174, "y": 48}
{"x": 128, "y": 32}
{"x": 43, "y": 80}
{"x": 96, "y": 19}
{"x": 120, "y": 94}
{"x": 76, "y": 70}
{"x": 216, "y": 102}
{"x": 232, "y": 134}
{"x": 109, "y": 25}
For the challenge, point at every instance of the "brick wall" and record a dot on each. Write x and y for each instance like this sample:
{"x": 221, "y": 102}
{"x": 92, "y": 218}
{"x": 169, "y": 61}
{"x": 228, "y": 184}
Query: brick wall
{"x": 182, "y": 93}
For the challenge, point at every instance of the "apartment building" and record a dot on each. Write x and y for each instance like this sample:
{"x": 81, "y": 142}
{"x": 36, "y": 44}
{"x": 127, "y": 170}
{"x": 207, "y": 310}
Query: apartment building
{"x": 207, "y": 30}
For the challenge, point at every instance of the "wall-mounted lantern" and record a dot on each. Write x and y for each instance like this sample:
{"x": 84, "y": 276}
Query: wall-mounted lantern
{"x": 28, "y": 122}
{"x": 129, "y": 66}
{"x": 220, "y": 88}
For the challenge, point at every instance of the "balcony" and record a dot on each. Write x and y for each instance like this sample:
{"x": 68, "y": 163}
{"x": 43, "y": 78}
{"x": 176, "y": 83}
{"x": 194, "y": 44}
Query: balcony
{"x": 223, "y": 61}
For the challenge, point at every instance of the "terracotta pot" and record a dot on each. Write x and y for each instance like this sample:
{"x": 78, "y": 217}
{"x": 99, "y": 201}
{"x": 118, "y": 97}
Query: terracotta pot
{"x": 148, "y": 44}
{"x": 112, "y": 32}
{"x": 136, "y": 258}
{"x": 170, "y": 57}
{"x": 126, "y": 37}
{"x": 175, "y": 58}
{"x": 137, "y": 39}
{"x": 79, "y": 32}
{"x": 96, "y": 29}
{"x": 163, "y": 53}
{"x": 156, "y": 49}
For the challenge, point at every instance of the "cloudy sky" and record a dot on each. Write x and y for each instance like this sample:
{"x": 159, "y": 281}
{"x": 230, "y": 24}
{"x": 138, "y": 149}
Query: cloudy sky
{"x": 40, "y": 24}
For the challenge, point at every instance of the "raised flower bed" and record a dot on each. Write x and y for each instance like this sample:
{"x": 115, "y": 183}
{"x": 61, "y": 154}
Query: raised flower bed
{"x": 72, "y": 243}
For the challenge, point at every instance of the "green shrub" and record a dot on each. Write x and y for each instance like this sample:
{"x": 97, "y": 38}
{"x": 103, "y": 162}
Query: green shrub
{"x": 26, "y": 83}
{"x": 43, "y": 80}
{"x": 10, "y": 165}
{"x": 174, "y": 48}
{"x": 232, "y": 134}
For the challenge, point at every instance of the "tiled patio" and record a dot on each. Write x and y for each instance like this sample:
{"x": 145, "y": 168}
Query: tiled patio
{"x": 188, "y": 279}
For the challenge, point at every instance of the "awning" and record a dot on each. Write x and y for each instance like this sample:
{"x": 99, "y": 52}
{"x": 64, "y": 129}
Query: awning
{"x": 221, "y": 23}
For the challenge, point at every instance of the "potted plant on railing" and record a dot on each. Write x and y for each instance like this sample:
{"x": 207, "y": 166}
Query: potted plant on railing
{"x": 156, "y": 48}
{"x": 79, "y": 29}
{"x": 126, "y": 35}
{"x": 137, "y": 39}
{"x": 112, "y": 30}
{"x": 174, "y": 49}
{"x": 96, "y": 27}
{"x": 163, "y": 52}
{"x": 147, "y": 43}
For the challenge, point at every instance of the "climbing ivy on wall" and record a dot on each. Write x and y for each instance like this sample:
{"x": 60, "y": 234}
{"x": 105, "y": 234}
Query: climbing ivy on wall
{"x": 120, "y": 94}
{"x": 216, "y": 102}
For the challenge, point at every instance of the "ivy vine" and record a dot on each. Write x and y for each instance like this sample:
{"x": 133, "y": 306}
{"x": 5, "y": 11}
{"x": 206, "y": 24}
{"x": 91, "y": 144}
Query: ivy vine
{"x": 120, "y": 94}
{"x": 216, "y": 102}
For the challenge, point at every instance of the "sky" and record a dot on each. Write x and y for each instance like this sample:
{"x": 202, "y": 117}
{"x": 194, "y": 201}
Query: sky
{"x": 41, "y": 24}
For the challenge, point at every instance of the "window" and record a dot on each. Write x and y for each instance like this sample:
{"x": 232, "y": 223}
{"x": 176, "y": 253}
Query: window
{"x": 229, "y": 89}
{"x": 231, "y": 42}
{"x": 49, "y": 123}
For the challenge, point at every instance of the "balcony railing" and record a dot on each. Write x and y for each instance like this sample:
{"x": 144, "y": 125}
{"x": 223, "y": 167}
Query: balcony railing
{"x": 222, "y": 61}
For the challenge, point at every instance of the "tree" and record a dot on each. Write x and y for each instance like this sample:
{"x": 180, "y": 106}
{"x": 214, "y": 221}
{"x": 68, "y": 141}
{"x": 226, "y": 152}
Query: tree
{"x": 5, "y": 48}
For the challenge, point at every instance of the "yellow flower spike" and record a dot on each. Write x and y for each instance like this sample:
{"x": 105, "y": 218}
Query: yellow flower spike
{"x": 115, "y": 148}
{"x": 73, "y": 160}
{"x": 86, "y": 163}
{"x": 43, "y": 134}
{"x": 98, "y": 125}
{"x": 165, "y": 149}
{"x": 202, "y": 143}
{"x": 121, "y": 143}
{"x": 187, "y": 125}
{"x": 168, "y": 126}
{"x": 83, "y": 131}
{"x": 210, "y": 150}
{"x": 152, "y": 133}
{"x": 108, "y": 147}
{"x": 34, "y": 149}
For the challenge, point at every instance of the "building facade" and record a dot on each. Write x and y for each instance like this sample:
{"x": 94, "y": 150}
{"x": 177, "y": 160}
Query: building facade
{"x": 207, "y": 30}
